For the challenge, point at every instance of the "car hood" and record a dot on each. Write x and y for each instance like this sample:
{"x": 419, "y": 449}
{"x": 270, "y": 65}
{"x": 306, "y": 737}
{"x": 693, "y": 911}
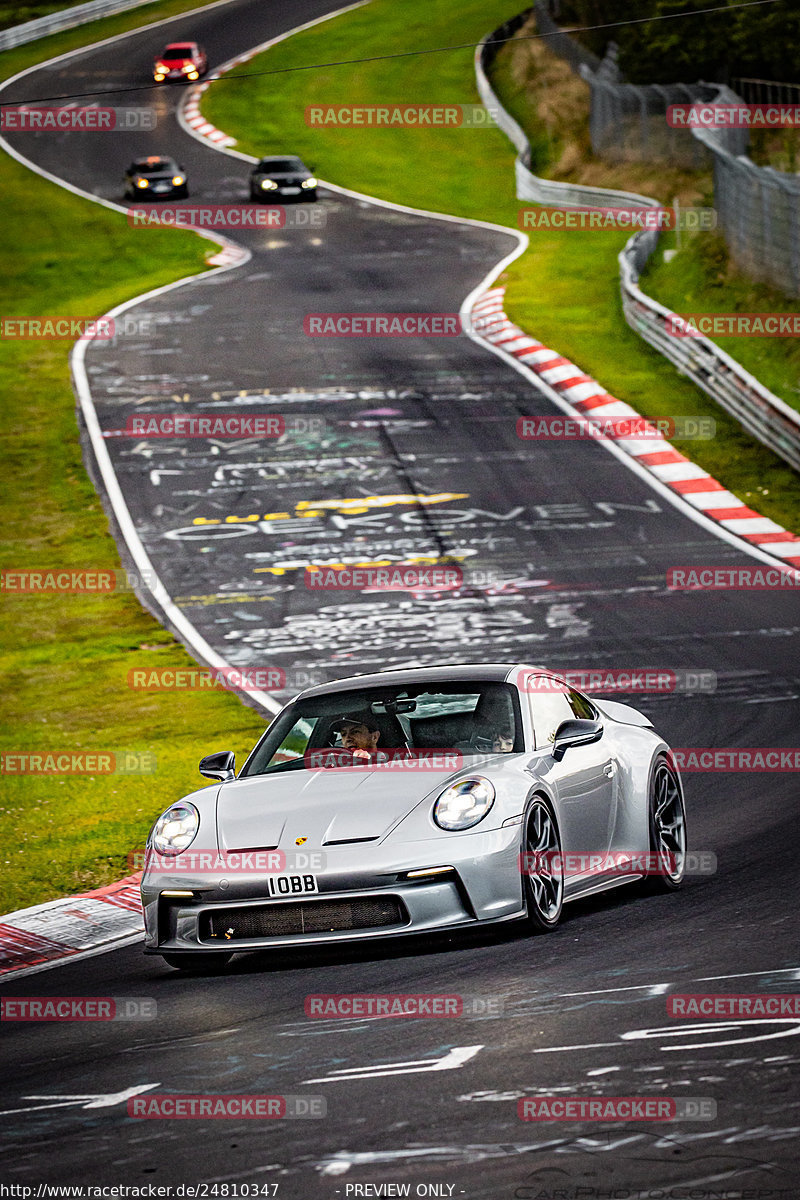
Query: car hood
{"x": 326, "y": 807}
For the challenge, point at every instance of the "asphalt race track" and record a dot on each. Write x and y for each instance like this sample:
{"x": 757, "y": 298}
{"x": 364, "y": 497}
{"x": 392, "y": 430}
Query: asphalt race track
{"x": 584, "y": 546}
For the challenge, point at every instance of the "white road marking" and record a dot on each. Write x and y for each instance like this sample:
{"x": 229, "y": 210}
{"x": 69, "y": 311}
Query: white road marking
{"x": 449, "y": 1062}
{"x": 92, "y": 1100}
{"x": 709, "y": 1027}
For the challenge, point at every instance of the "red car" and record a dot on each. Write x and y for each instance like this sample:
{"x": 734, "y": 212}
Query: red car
{"x": 180, "y": 60}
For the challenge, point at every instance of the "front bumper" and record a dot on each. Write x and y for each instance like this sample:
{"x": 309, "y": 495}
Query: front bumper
{"x": 171, "y": 193}
{"x": 484, "y": 886}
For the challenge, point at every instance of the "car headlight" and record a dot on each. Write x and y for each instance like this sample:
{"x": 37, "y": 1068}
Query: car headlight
{"x": 159, "y": 77}
{"x": 193, "y": 75}
{"x": 142, "y": 183}
{"x": 309, "y": 183}
{"x": 175, "y": 829}
{"x": 464, "y": 804}
{"x": 269, "y": 185}
{"x": 177, "y": 180}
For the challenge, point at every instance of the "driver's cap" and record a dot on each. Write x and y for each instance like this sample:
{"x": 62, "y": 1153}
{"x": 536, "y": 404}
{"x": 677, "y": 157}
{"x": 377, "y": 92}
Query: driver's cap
{"x": 357, "y": 718}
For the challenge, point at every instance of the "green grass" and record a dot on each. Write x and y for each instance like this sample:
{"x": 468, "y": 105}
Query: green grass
{"x": 64, "y": 660}
{"x": 565, "y": 289}
{"x": 701, "y": 278}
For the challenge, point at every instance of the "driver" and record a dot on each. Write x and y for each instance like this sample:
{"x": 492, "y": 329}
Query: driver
{"x": 359, "y": 732}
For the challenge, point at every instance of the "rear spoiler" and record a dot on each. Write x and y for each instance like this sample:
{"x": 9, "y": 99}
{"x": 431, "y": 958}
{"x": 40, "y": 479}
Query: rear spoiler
{"x": 621, "y": 712}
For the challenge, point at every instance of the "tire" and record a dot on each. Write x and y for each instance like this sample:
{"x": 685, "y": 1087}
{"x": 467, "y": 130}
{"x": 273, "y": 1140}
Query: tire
{"x": 542, "y": 887}
{"x": 666, "y": 819}
{"x": 199, "y": 964}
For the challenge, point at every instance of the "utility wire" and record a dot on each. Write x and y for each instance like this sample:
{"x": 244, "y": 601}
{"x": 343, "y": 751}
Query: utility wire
{"x": 348, "y": 62}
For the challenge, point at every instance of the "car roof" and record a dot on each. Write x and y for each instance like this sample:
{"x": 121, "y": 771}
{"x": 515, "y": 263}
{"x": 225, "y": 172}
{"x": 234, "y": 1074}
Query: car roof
{"x": 485, "y": 672}
{"x": 153, "y": 160}
{"x": 268, "y": 158}
{"x": 180, "y": 46}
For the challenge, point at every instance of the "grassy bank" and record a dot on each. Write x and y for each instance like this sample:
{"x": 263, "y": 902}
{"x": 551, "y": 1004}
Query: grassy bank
{"x": 64, "y": 659}
{"x": 565, "y": 289}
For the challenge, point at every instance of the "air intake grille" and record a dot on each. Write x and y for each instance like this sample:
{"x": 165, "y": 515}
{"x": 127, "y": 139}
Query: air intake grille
{"x": 307, "y": 916}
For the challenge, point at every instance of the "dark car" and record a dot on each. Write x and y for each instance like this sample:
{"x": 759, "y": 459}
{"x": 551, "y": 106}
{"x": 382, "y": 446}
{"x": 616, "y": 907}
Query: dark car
{"x": 180, "y": 60}
{"x": 155, "y": 178}
{"x": 284, "y": 177}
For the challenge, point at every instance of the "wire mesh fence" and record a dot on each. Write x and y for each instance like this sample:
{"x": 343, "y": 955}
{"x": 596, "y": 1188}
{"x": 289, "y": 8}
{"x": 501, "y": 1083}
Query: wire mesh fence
{"x": 758, "y": 207}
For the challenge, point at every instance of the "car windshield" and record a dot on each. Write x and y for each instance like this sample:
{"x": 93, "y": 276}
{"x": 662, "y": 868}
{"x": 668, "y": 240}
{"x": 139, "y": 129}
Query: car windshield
{"x": 153, "y": 168}
{"x": 471, "y": 717}
{"x": 178, "y": 52}
{"x": 279, "y": 165}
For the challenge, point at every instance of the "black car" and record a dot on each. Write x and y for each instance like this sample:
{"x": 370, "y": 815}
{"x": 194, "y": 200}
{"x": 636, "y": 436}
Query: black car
{"x": 155, "y": 178}
{"x": 283, "y": 178}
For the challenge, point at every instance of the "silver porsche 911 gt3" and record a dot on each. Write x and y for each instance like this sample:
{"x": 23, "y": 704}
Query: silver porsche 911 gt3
{"x": 410, "y": 801}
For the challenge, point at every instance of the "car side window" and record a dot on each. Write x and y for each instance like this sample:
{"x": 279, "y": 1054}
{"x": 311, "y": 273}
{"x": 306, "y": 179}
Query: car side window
{"x": 549, "y": 707}
{"x": 581, "y": 707}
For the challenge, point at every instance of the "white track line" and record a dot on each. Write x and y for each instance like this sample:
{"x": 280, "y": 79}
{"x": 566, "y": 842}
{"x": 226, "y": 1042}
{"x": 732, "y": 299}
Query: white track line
{"x": 194, "y": 641}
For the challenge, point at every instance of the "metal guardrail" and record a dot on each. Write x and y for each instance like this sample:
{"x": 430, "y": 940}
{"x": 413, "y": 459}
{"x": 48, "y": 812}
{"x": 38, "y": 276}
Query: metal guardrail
{"x": 530, "y": 186}
{"x": 67, "y": 18}
{"x": 766, "y": 91}
{"x": 758, "y": 410}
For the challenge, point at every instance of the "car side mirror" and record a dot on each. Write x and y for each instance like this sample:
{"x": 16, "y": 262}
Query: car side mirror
{"x": 221, "y": 766}
{"x": 575, "y": 733}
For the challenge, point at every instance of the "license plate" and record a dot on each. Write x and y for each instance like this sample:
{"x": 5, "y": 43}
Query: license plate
{"x": 291, "y": 885}
{"x": 162, "y": 187}
{"x": 291, "y": 191}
